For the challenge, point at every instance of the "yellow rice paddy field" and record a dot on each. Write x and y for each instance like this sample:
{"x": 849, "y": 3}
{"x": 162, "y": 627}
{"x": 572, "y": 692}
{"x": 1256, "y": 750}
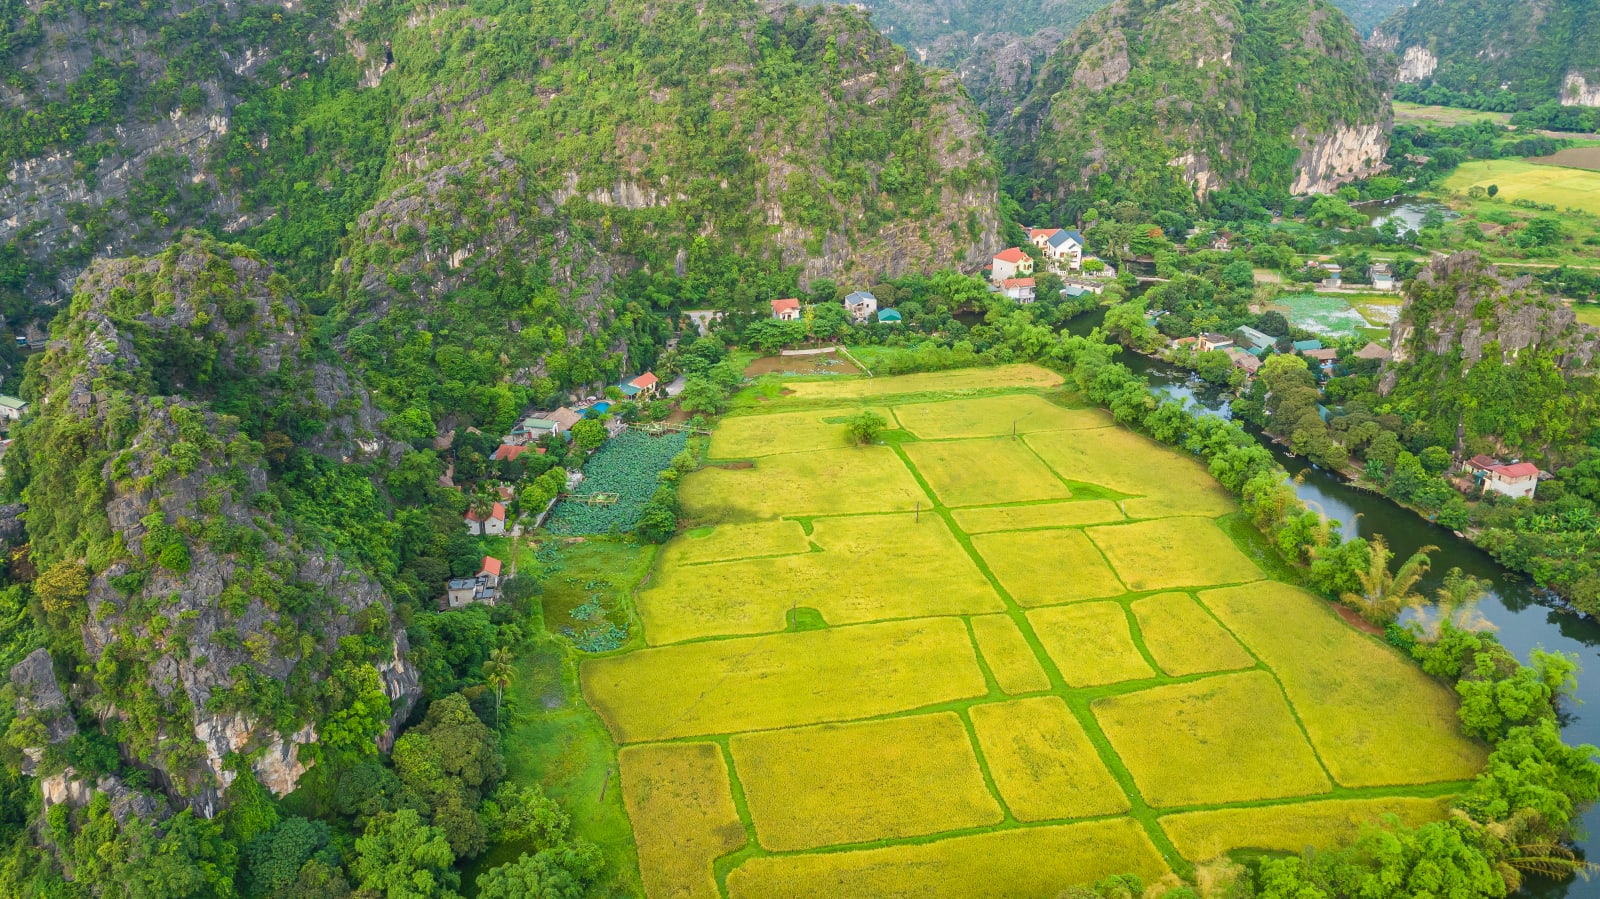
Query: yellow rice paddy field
{"x": 1008, "y": 650}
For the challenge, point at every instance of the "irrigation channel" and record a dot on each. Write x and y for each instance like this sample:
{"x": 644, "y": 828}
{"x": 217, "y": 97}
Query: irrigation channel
{"x": 1525, "y": 616}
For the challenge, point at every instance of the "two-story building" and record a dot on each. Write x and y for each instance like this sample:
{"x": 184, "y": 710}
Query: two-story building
{"x": 1011, "y": 263}
{"x": 484, "y": 587}
{"x": 861, "y": 305}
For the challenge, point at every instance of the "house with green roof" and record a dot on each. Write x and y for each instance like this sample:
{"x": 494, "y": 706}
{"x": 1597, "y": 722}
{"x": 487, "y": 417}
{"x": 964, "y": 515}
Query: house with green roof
{"x": 12, "y": 408}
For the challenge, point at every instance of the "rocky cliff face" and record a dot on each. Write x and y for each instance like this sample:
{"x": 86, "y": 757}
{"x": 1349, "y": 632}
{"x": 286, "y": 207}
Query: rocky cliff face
{"x": 1538, "y": 50}
{"x": 116, "y": 124}
{"x": 1167, "y": 101}
{"x": 209, "y": 625}
{"x": 1462, "y": 304}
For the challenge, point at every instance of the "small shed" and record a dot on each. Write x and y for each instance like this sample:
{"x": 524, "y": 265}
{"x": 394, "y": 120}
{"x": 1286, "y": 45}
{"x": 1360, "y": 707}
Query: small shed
{"x": 889, "y": 316}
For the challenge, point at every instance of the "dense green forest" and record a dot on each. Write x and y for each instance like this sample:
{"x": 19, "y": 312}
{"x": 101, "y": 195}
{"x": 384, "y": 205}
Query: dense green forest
{"x": 1160, "y": 104}
{"x": 1498, "y": 56}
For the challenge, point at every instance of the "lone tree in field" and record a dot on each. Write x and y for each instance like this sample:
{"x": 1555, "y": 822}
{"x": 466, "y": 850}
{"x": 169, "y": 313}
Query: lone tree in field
{"x": 497, "y": 673}
{"x": 1384, "y": 593}
{"x": 865, "y": 426}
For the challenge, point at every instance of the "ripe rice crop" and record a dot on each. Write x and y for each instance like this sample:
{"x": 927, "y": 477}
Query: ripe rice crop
{"x": 1042, "y": 761}
{"x": 1344, "y": 684}
{"x": 984, "y": 472}
{"x": 681, "y": 806}
{"x": 1184, "y": 639}
{"x": 1222, "y": 739}
{"x": 1173, "y": 552}
{"x": 1008, "y": 654}
{"x": 782, "y": 680}
{"x": 1090, "y": 643}
{"x": 825, "y": 482}
{"x": 1036, "y": 515}
{"x": 855, "y": 783}
{"x": 1075, "y": 570}
{"x": 1290, "y": 828}
{"x": 995, "y": 416}
{"x": 928, "y": 381}
{"x": 1007, "y": 864}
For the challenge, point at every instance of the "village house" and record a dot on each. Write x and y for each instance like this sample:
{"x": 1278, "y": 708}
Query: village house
{"x": 1518, "y": 480}
{"x": 786, "y": 310}
{"x": 506, "y": 452}
{"x": 889, "y": 317}
{"x": 533, "y": 429}
{"x": 564, "y": 418}
{"x": 1306, "y": 346}
{"x": 1324, "y": 358}
{"x": 1063, "y": 247}
{"x": 1252, "y": 339}
{"x": 1019, "y": 289}
{"x": 1244, "y": 360}
{"x": 1209, "y": 342}
{"x": 492, "y": 524}
{"x": 644, "y": 387}
{"x": 1333, "y": 275}
{"x": 1381, "y": 276}
{"x": 1011, "y": 263}
{"x": 483, "y": 588}
{"x": 861, "y": 305}
{"x": 1373, "y": 351}
{"x": 12, "y": 408}
{"x": 1184, "y": 342}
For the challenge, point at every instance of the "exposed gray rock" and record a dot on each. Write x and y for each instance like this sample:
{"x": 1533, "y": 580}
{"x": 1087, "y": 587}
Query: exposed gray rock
{"x": 39, "y": 697}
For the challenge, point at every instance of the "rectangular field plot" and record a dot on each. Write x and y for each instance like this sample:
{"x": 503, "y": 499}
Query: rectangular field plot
{"x": 1290, "y": 828}
{"x": 927, "y": 382}
{"x": 748, "y": 436}
{"x": 1173, "y": 552}
{"x": 727, "y": 542}
{"x": 826, "y": 482}
{"x": 856, "y": 783}
{"x": 1358, "y": 698}
{"x": 782, "y": 680}
{"x": 1222, "y": 739}
{"x": 1010, "y": 658}
{"x": 1184, "y": 639}
{"x": 1010, "y": 864}
{"x": 1090, "y": 643}
{"x": 871, "y": 568}
{"x": 1042, "y": 761}
{"x": 1043, "y": 567}
{"x": 984, "y": 472}
{"x": 1166, "y": 481}
{"x": 995, "y": 416}
{"x": 1036, "y": 515}
{"x": 683, "y": 816}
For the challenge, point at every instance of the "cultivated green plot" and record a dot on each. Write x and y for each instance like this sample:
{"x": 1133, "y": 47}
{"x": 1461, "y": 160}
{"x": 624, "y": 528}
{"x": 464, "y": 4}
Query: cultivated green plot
{"x": 1008, "y": 654}
{"x": 984, "y": 472}
{"x": 683, "y": 816}
{"x": 1345, "y": 686}
{"x": 1290, "y": 828}
{"x": 962, "y": 379}
{"x": 749, "y": 436}
{"x": 1184, "y": 639}
{"x": 1009, "y": 864}
{"x": 783, "y": 680}
{"x": 826, "y": 482}
{"x": 1042, "y": 761}
{"x": 995, "y": 416}
{"x": 1173, "y": 552}
{"x": 856, "y": 783}
{"x": 871, "y": 568}
{"x": 1230, "y": 738}
{"x": 730, "y": 542}
{"x": 1167, "y": 482}
{"x": 1036, "y": 515}
{"x": 1090, "y": 643}
{"x": 1043, "y": 567}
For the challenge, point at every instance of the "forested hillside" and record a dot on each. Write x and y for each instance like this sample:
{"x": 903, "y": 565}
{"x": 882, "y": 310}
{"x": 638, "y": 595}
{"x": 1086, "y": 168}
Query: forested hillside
{"x": 1161, "y": 103}
{"x": 738, "y": 144}
{"x": 1504, "y": 56}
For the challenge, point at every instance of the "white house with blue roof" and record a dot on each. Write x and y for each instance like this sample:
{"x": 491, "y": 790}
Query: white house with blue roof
{"x": 1063, "y": 247}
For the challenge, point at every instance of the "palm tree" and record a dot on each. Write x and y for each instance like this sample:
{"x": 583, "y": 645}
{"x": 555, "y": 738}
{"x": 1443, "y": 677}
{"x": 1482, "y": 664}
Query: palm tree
{"x": 1524, "y": 845}
{"x": 1456, "y": 607}
{"x": 498, "y": 672}
{"x": 1384, "y": 593}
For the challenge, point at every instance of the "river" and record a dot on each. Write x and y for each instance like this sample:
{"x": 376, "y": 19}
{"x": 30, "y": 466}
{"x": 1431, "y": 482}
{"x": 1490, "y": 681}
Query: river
{"x": 1525, "y": 618}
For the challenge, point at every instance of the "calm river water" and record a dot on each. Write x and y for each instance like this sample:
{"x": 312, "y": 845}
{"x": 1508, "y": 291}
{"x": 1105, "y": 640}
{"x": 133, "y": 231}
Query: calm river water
{"x": 1526, "y": 618}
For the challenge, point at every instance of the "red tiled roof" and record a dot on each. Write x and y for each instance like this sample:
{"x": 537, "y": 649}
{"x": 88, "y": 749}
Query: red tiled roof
{"x": 1041, "y": 232}
{"x": 506, "y": 493}
{"x": 1010, "y": 254}
{"x": 1483, "y": 462}
{"x": 508, "y": 451}
{"x": 491, "y": 565}
{"x": 1517, "y": 471}
{"x": 785, "y": 305}
{"x": 1016, "y": 282}
{"x": 646, "y": 380}
{"x": 499, "y": 511}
